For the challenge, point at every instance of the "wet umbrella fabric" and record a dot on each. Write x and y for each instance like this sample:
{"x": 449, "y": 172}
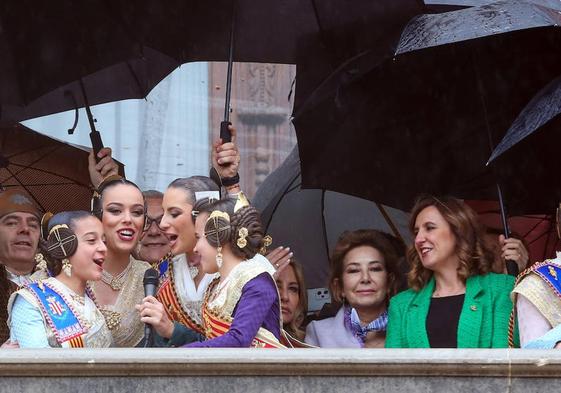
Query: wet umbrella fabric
{"x": 426, "y": 121}
{"x": 133, "y": 78}
{"x": 321, "y": 34}
{"x": 53, "y": 172}
{"x": 47, "y": 47}
{"x": 526, "y": 162}
{"x": 310, "y": 221}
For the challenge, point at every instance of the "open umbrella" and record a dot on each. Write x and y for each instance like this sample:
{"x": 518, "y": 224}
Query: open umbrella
{"x": 127, "y": 79}
{"x": 321, "y": 34}
{"x": 47, "y": 45}
{"x": 426, "y": 121}
{"x": 310, "y": 221}
{"x": 54, "y": 173}
{"x": 526, "y": 161}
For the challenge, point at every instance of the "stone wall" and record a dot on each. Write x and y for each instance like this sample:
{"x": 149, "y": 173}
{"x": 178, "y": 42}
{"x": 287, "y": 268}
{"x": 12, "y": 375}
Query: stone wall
{"x": 293, "y": 370}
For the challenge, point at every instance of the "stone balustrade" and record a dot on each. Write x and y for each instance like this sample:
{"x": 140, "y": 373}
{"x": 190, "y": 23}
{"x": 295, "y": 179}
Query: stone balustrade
{"x": 291, "y": 370}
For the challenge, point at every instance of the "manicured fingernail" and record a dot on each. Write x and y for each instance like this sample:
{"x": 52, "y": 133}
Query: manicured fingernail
{"x": 291, "y": 254}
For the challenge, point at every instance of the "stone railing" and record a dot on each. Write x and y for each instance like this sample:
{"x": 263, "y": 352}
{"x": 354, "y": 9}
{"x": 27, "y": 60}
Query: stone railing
{"x": 292, "y": 370}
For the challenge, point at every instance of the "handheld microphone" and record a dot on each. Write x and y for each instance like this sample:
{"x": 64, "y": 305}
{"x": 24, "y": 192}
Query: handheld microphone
{"x": 151, "y": 278}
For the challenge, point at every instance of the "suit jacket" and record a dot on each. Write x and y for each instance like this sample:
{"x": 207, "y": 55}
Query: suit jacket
{"x": 6, "y": 289}
{"x": 331, "y": 333}
{"x": 483, "y": 320}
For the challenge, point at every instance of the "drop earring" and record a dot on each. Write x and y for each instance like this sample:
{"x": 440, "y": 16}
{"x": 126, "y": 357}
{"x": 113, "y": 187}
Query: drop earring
{"x": 219, "y": 257}
{"x": 67, "y": 267}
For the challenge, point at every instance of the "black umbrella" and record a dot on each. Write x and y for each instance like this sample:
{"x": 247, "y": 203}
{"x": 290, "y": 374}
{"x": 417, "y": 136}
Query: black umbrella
{"x": 426, "y": 121}
{"x": 320, "y": 34}
{"x": 526, "y": 161}
{"x": 310, "y": 221}
{"x": 46, "y": 48}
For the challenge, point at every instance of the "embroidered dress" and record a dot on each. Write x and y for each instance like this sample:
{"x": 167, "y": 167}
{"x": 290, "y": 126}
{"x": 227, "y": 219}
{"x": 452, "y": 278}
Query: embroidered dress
{"x": 244, "y": 309}
{"x": 49, "y": 314}
{"x": 537, "y": 296}
{"x": 122, "y": 318}
{"x": 181, "y": 300}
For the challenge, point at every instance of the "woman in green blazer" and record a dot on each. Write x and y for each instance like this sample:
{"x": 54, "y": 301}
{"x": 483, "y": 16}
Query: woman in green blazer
{"x": 454, "y": 301}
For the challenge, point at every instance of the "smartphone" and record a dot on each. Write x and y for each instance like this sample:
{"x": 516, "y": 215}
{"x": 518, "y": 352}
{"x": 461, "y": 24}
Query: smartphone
{"x": 317, "y": 297}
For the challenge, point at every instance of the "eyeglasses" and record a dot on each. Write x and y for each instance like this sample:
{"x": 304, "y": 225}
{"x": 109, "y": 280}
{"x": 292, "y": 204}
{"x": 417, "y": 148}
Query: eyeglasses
{"x": 150, "y": 220}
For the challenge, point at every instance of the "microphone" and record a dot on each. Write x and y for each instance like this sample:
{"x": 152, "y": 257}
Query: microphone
{"x": 151, "y": 279}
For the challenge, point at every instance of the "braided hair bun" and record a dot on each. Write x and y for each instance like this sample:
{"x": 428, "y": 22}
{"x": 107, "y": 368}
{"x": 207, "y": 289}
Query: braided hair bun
{"x": 217, "y": 228}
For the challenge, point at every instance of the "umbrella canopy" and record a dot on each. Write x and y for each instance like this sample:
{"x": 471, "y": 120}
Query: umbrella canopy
{"x": 46, "y": 48}
{"x": 526, "y": 161}
{"x": 310, "y": 221}
{"x": 132, "y": 78}
{"x": 426, "y": 121}
{"x": 320, "y": 34}
{"x": 54, "y": 173}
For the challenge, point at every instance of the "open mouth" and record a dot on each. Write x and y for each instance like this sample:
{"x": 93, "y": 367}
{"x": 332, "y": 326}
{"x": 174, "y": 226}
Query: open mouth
{"x": 126, "y": 234}
{"x": 154, "y": 245}
{"x": 23, "y": 243}
{"x": 425, "y": 251}
{"x": 99, "y": 261}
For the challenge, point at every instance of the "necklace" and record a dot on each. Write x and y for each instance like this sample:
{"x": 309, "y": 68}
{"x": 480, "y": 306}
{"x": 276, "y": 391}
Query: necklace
{"x": 115, "y": 282}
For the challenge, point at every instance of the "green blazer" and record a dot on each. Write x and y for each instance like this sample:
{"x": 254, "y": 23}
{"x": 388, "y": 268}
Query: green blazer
{"x": 483, "y": 320}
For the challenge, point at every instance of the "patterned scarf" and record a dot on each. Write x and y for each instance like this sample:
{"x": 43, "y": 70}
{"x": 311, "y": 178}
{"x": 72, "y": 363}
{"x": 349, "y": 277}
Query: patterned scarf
{"x": 352, "y": 322}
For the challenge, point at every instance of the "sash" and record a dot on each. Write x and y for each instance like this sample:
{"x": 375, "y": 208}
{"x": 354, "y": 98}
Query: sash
{"x": 59, "y": 315}
{"x": 169, "y": 298}
{"x": 551, "y": 274}
{"x": 216, "y": 327}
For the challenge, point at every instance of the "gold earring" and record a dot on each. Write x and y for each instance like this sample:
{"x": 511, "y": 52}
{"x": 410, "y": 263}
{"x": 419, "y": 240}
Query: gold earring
{"x": 242, "y": 234}
{"x": 67, "y": 267}
{"x": 219, "y": 257}
{"x": 41, "y": 263}
{"x": 267, "y": 241}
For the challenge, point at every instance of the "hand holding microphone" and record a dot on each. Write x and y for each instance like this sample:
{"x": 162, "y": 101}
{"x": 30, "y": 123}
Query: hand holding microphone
{"x": 152, "y": 312}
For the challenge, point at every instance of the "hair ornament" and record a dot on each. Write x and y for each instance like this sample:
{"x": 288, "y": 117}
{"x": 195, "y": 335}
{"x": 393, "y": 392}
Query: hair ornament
{"x": 241, "y": 202}
{"x": 267, "y": 241}
{"x": 41, "y": 262}
{"x": 217, "y": 226}
{"x": 63, "y": 237}
{"x": 242, "y": 235}
{"x": 45, "y": 224}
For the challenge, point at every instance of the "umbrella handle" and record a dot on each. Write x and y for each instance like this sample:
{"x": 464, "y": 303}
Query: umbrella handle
{"x": 225, "y": 134}
{"x": 511, "y": 268}
{"x": 97, "y": 143}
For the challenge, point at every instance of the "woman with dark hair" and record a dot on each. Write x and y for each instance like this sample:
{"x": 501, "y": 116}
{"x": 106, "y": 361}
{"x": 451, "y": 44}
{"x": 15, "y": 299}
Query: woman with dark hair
{"x": 120, "y": 206}
{"x": 241, "y": 306}
{"x": 364, "y": 275}
{"x": 60, "y": 311}
{"x": 293, "y": 297}
{"x": 454, "y": 300}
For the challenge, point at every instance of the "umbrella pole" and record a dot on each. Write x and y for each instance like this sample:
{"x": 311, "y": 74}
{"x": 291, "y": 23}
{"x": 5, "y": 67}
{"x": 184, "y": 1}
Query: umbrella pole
{"x": 224, "y": 131}
{"x": 511, "y": 266}
{"x": 324, "y": 226}
{"x": 95, "y": 136}
{"x": 389, "y": 221}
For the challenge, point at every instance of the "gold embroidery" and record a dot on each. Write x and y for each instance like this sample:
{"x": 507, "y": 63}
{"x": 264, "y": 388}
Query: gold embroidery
{"x": 129, "y": 331}
{"x": 552, "y": 272}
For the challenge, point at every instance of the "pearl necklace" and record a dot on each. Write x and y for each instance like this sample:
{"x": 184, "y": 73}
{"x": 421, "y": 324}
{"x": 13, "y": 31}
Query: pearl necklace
{"x": 115, "y": 282}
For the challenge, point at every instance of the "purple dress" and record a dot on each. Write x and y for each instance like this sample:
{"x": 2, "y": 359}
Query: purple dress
{"x": 258, "y": 307}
